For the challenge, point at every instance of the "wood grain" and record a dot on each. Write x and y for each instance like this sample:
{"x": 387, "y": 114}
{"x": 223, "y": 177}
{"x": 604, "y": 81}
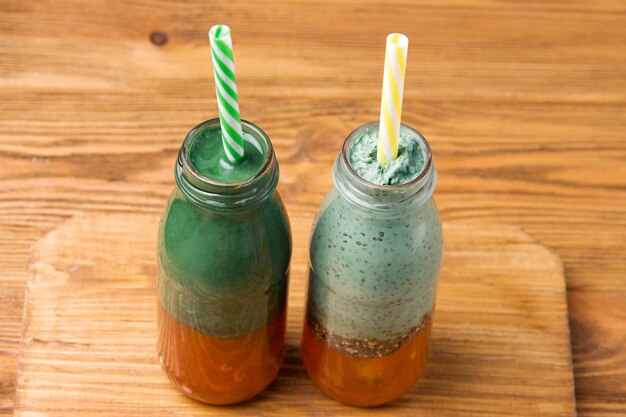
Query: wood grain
{"x": 90, "y": 342}
{"x": 524, "y": 104}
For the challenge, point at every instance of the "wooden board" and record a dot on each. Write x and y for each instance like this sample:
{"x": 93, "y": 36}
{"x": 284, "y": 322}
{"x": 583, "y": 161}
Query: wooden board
{"x": 500, "y": 343}
{"x": 524, "y": 104}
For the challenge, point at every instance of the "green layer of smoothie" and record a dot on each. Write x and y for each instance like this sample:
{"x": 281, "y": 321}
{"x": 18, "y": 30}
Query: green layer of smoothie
{"x": 223, "y": 274}
{"x": 405, "y": 168}
{"x": 207, "y": 155}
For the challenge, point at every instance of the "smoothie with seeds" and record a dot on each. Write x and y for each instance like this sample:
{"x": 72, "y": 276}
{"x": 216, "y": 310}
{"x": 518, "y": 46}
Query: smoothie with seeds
{"x": 375, "y": 255}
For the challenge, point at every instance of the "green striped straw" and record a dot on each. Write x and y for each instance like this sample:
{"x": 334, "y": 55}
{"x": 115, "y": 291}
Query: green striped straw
{"x": 226, "y": 90}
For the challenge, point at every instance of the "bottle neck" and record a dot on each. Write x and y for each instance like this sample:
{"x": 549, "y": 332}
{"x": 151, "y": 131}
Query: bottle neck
{"x": 219, "y": 196}
{"x": 383, "y": 198}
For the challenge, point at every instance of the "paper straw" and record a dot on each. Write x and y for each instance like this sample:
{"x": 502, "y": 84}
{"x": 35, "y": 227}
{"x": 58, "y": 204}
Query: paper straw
{"x": 391, "y": 101}
{"x": 226, "y": 90}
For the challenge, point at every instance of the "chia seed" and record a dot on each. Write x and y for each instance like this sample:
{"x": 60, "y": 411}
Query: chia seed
{"x": 365, "y": 348}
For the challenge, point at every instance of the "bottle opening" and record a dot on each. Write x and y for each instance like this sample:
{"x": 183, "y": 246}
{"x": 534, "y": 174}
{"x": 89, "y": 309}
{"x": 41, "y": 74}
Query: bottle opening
{"x": 413, "y": 155}
{"x": 203, "y": 152}
{"x": 360, "y": 180}
{"x": 205, "y": 175}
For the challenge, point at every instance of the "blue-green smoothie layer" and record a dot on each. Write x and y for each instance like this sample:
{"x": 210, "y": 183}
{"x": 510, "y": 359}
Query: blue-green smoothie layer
{"x": 374, "y": 274}
{"x": 373, "y": 277}
{"x": 405, "y": 168}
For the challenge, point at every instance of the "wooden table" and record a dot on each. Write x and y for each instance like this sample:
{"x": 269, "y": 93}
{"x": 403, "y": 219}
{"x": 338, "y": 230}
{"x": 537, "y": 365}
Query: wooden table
{"x": 524, "y": 104}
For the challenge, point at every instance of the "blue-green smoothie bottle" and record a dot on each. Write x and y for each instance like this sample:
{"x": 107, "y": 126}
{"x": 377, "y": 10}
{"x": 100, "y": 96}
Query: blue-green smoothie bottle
{"x": 375, "y": 255}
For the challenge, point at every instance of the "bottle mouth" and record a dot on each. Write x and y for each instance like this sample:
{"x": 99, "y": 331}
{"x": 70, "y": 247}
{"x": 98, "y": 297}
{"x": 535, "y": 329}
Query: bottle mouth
{"x": 356, "y": 133}
{"x": 361, "y": 192}
{"x": 200, "y": 180}
{"x": 209, "y": 192}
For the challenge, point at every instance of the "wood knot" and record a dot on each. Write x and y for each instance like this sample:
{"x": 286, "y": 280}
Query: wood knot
{"x": 158, "y": 38}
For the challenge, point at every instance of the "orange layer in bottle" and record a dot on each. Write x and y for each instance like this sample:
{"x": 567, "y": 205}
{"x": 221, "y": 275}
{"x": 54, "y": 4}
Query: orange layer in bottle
{"x": 220, "y": 371}
{"x": 365, "y": 382}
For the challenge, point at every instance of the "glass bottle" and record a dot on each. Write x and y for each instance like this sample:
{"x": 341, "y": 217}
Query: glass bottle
{"x": 375, "y": 256}
{"x": 223, "y": 266}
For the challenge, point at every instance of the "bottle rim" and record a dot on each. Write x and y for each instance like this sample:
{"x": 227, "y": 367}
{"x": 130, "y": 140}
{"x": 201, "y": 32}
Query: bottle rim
{"x": 208, "y": 192}
{"x": 383, "y": 198}
{"x": 185, "y": 151}
{"x": 425, "y": 146}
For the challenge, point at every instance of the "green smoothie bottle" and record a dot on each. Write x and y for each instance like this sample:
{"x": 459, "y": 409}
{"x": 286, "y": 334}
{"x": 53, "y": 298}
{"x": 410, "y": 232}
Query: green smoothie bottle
{"x": 224, "y": 247}
{"x": 375, "y": 255}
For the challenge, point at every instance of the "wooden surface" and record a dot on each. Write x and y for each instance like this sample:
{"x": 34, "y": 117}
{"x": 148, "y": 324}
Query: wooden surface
{"x": 500, "y": 343}
{"x": 523, "y": 102}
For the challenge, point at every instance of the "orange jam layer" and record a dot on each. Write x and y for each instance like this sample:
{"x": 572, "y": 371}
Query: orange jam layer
{"x": 220, "y": 371}
{"x": 365, "y": 382}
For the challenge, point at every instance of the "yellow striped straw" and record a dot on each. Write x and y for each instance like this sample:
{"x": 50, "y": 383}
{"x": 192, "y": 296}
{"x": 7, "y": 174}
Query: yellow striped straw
{"x": 391, "y": 101}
